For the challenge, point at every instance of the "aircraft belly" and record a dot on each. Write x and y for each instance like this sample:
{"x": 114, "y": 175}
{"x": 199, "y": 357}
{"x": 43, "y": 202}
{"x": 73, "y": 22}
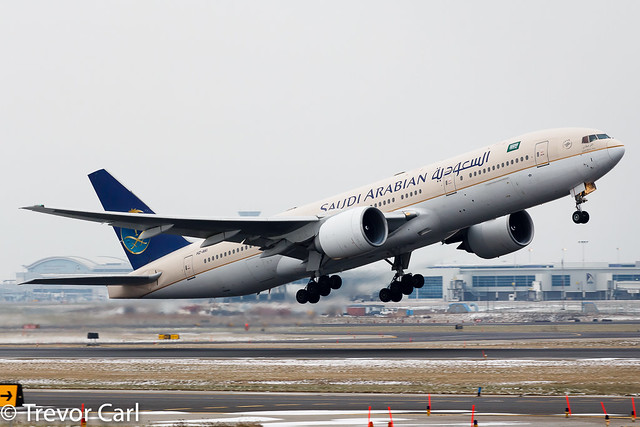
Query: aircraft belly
{"x": 230, "y": 280}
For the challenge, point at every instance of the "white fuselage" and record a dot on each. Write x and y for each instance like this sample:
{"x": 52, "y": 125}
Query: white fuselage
{"x": 450, "y": 195}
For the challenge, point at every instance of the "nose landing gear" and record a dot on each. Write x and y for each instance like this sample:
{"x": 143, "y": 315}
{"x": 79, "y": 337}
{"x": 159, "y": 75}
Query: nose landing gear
{"x": 580, "y": 192}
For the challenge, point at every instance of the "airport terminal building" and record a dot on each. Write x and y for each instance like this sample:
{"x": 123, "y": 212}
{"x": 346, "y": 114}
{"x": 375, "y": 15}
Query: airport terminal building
{"x": 63, "y": 265}
{"x": 544, "y": 282}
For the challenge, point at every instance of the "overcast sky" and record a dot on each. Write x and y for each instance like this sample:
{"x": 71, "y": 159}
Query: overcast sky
{"x": 205, "y": 108}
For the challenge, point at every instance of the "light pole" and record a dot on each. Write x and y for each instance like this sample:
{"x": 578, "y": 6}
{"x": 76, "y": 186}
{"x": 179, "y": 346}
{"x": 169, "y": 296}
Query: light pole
{"x": 583, "y": 243}
{"x": 563, "y": 296}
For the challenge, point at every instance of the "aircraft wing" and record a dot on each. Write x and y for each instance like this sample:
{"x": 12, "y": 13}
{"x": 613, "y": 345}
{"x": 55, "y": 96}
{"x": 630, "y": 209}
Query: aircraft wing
{"x": 274, "y": 235}
{"x": 257, "y": 230}
{"x": 95, "y": 280}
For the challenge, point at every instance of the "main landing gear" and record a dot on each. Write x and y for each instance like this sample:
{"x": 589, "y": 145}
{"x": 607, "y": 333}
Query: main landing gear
{"x": 402, "y": 284}
{"x": 320, "y": 288}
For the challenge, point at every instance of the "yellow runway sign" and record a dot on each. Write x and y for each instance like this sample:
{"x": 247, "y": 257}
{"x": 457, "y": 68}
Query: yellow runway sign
{"x": 11, "y": 394}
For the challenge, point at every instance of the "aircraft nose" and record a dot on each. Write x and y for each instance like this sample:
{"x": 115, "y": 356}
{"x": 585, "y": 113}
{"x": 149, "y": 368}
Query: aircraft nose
{"x": 615, "y": 150}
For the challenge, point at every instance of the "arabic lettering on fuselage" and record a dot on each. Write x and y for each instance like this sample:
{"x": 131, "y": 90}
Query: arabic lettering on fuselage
{"x": 461, "y": 166}
{"x": 405, "y": 184}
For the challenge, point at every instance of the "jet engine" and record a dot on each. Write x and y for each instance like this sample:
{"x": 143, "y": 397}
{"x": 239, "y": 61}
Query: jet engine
{"x": 352, "y": 232}
{"x": 499, "y": 236}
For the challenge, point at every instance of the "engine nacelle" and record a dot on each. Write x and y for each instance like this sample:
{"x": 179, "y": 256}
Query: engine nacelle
{"x": 500, "y": 236}
{"x": 352, "y": 232}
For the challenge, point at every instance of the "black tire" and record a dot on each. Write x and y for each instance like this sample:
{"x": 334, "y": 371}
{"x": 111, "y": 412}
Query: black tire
{"x": 396, "y": 296}
{"x": 577, "y": 217}
{"x": 302, "y": 296}
{"x": 406, "y": 284}
{"x": 418, "y": 281}
{"x": 324, "y": 289}
{"x": 323, "y": 280}
{"x": 385, "y": 295}
{"x": 313, "y": 288}
{"x": 584, "y": 217}
{"x": 407, "y": 288}
{"x": 314, "y": 297}
{"x": 395, "y": 286}
{"x": 336, "y": 282}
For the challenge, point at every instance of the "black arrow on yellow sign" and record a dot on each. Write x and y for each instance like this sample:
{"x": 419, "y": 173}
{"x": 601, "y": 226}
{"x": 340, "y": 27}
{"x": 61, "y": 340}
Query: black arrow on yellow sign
{"x": 8, "y": 395}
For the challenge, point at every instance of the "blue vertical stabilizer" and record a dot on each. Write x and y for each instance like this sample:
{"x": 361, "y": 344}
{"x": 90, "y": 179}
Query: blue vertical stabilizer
{"x": 115, "y": 197}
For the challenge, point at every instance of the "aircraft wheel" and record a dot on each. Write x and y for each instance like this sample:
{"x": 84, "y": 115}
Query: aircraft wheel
{"x": 396, "y": 296}
{"x": 313, "y": 288}
{"x": 314, "y": 297}
{"x": 385, "y": 295}
{"x": 418, "y": 281}
{"x": 577, "y": 217}
{"x": 584, "y": 217}
{"x": 395, "y": 287}
{"x": 336, "y": 282}
{"x": 324, "y": 289}
{"x": 407, "y": 288}
{"x": 302, "y": 296}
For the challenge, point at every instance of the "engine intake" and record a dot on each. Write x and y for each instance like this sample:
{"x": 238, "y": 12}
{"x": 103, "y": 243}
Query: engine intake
{"x": 500, "y": 236}
{"x": 352, "y": 232}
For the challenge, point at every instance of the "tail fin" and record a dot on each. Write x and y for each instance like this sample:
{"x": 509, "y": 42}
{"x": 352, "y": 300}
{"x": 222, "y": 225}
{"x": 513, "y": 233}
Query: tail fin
{"x": 116, "y": 197}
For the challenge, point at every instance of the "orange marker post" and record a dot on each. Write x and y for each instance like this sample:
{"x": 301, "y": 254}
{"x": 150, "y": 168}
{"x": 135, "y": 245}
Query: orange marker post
{"x": 429, "y": 406}
{"x": 473, "y": 412}
{"x": 633, "y": 410}
{"x": 370, "y": 423}
{"x": 568, "y": 410}
{"x": 390, "y": 418}
{"x": 83, "y": 422}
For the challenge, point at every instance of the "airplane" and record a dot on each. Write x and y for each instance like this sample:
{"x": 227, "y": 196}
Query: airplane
{"x": 477, "y": 200}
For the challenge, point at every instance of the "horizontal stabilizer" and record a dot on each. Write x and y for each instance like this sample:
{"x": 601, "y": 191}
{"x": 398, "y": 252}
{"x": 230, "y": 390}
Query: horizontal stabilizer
{"x": 94, "y": 280}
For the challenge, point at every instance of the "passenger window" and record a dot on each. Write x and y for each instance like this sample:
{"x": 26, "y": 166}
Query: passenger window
{"x": 526, "y": 157}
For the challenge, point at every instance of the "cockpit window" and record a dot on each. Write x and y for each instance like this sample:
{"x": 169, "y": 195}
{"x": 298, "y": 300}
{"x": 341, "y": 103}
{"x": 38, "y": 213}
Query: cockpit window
{"x": 591, "y": 138}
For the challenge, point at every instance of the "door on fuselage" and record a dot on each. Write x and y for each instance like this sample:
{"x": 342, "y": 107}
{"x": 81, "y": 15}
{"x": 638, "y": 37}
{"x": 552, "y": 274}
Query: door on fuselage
{"x": 188, "y": 267}
{"x": 542, "y": 153}
{"x": 449, "y": 184}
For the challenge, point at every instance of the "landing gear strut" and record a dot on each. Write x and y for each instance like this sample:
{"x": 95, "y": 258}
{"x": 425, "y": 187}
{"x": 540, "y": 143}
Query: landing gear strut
{"x": 402, "y": 284}
{"x": 316, "y": 289}
{"x": 580, "y": 216}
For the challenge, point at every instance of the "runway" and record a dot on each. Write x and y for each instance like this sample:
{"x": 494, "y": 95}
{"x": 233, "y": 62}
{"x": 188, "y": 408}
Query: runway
{"x": 297, "y": 409}
{"x": 168, "y": 351}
